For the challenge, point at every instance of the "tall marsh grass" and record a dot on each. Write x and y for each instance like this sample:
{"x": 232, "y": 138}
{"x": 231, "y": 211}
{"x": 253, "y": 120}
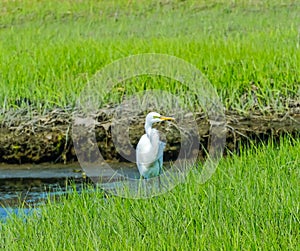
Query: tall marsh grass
{"x": 250, "y": 203}
{"x": 49, "y": 50}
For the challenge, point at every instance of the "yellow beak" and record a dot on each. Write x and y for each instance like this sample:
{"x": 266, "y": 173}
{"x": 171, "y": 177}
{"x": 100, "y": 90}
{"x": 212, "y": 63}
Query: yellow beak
{"x": 166, "y": 118}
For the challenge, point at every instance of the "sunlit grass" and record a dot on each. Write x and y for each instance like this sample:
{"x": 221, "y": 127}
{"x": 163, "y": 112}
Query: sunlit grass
{"x": 48, "y": 51}
{"x": 251, "y": 202}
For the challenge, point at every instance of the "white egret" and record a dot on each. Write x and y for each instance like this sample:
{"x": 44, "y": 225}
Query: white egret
{"x": 150, "y": 150}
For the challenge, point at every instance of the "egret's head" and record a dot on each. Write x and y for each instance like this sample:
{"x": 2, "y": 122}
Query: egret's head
{"x": 154, "y": 117}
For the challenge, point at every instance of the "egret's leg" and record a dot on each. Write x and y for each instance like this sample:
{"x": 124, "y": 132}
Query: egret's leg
{"x": 159, "y": 183}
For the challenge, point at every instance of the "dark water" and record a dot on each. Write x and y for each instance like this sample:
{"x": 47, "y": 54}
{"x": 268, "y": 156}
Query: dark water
{"x": 22, "y": 196}
{"x": 25, "y": 188}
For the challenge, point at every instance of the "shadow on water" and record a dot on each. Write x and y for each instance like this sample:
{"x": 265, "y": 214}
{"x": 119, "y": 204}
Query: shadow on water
{"x": 24, "y": 188}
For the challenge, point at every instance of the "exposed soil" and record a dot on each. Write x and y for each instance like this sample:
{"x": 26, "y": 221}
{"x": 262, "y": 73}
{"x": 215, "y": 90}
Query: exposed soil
{"x": 31, "y": 138}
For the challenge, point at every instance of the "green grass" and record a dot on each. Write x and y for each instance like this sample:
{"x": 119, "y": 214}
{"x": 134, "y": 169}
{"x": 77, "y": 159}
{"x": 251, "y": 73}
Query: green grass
{"x": 251, "y": 203}
{"x": 48, "y": 49}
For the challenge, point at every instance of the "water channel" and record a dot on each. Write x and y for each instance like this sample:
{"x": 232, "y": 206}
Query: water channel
{"x": 24, "y": 187}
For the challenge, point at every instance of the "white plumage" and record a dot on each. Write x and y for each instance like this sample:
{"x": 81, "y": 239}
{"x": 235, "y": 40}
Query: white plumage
{"x": 149, "y": 151}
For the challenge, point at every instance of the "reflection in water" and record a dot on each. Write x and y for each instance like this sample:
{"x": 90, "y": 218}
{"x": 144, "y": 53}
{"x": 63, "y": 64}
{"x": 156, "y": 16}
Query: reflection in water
{"x": 28, "y": 192}
{"x": 22, "y": 196}
{"x": 23, "y": 189}
{"x": 7, "y": 211}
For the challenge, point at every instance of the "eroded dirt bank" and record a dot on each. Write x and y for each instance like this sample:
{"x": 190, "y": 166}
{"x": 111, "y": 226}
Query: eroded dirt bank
{"x": 48, "y": 138}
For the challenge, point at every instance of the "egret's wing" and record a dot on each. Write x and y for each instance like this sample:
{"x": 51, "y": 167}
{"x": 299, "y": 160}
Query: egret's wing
{"x": 143, "y": 147}
{"x": 149, "y": 148}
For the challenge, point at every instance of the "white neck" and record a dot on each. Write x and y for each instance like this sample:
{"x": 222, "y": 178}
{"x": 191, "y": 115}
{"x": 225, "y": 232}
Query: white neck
{"x": 148, "y": 128}
{"x": 153, "y": 136}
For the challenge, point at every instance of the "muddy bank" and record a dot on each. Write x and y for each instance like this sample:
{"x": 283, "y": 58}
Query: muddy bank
{"x": 48, "y": 138}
